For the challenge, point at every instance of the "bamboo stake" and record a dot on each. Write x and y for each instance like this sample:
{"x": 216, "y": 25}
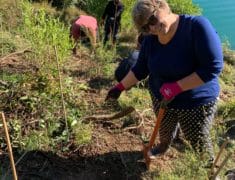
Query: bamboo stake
{"x": 221, "y": 166}
{"x": 218, "y": 155}
{"x": 9, "y": 146}
{"x": 62, "y": 95}
{"x": 213, "y": 174}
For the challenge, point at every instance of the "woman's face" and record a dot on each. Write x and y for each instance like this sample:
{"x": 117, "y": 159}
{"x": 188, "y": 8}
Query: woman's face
{"x": 158, "y": 23}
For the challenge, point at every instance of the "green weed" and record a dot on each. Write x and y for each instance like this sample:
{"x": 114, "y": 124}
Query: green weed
{"x": 36, "y": 140}
{"x": 82, "y": 133}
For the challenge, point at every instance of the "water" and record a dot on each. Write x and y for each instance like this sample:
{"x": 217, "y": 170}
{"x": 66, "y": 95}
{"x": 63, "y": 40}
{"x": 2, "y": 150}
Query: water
{"x": 221, "y": 13}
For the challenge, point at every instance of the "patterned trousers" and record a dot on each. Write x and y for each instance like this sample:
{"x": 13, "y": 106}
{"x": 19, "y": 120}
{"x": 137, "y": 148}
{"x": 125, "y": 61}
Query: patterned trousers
{"x": 195, "y": 124}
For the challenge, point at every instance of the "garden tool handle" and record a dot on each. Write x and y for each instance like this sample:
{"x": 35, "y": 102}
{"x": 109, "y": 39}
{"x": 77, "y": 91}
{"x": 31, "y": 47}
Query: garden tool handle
{"x": 159, "y": 118}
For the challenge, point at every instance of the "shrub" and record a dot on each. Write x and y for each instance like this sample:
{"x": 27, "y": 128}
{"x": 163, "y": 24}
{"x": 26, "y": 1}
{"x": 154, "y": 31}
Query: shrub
{"x": 184, "y": 7}
{"x": 229, "y": 55}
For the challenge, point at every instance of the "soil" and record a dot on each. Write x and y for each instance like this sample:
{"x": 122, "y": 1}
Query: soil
{"x": 114, "y": 152}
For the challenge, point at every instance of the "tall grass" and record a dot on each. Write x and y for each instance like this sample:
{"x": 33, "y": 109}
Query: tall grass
{"x": 44, "y": 31}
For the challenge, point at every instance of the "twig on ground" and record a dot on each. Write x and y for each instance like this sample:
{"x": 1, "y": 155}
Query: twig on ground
{"x": 26, "y": 50}
{"x": 18, "y": 161}
{"x": 31, "y": 122}
{"x": 120, "y": 114}
{"x": 141, "y": 124}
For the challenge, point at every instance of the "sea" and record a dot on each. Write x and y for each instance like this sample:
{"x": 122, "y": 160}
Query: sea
{"x": 221, "y": 13}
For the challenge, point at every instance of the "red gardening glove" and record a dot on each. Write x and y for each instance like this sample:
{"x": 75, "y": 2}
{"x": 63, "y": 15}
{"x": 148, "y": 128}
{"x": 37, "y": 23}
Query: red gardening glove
{"x": 170, "y": 90}
{"x": 115, "y": 92}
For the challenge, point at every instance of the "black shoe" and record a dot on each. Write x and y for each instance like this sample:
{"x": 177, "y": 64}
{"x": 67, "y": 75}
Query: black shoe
{"x": 157, "y": 150}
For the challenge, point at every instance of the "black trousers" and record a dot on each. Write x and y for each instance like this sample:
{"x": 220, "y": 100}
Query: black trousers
{"x": 111, "y": 28}
{"x": 195, "y": 124}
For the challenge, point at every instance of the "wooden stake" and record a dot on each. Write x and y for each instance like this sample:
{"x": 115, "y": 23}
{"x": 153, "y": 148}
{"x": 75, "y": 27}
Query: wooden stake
{"x": 61, "y": 92}
{"x": 9, "y": 146}
{"x": 218, "y": 155}
{"x": 221, "y": 166}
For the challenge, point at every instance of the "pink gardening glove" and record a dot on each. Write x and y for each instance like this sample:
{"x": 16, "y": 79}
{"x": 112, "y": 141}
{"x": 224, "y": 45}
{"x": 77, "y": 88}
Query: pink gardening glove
{"x": 170, "y": 90}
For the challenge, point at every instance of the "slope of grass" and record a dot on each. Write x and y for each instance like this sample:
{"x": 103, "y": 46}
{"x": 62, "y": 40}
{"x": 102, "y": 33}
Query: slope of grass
{"x": 33, "y": 101}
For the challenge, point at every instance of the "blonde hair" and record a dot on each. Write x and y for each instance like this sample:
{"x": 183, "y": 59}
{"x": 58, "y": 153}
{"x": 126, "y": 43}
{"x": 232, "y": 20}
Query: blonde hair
{"x": 143, "y": 9}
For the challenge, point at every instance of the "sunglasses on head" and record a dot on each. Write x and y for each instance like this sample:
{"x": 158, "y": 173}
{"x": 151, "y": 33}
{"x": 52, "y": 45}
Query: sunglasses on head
{"x": 151, "y": 21}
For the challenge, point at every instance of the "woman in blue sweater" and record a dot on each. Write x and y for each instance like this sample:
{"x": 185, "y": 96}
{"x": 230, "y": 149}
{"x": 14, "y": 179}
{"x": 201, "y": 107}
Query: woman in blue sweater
{"x": 182, "y": 56}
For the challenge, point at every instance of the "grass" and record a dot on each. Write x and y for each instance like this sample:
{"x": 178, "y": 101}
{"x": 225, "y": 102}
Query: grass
{"x": 226, "y": 109}
{"x": 35, "y": 99}
{"x": 194, "y": 170}
{"x": 136, "y": 97}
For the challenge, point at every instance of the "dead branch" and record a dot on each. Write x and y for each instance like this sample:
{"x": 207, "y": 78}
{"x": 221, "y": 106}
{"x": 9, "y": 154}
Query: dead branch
{"x": 120, "y": 114}
{"x": 18, "y": 161}
{"x": 141, "y": 124}
{"x": 26, "y": 50}
{"x": 31, "y": 122}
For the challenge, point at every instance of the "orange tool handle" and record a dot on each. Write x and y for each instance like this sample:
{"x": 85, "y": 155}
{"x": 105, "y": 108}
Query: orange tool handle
{"x": 157, "y": 126}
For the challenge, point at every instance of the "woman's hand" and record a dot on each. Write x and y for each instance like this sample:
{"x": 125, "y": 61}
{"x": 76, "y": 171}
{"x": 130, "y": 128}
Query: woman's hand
{"x": 170, "y": 90}
{"x": 115, "y": 92}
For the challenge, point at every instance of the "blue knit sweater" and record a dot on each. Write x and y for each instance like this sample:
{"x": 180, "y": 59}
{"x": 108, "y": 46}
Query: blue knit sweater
{"x": 195, "y": 47}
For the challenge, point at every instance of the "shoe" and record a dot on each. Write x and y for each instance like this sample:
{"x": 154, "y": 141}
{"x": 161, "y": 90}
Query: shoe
{"x": 150, "y": 155}
{"x": 157, "y": 150}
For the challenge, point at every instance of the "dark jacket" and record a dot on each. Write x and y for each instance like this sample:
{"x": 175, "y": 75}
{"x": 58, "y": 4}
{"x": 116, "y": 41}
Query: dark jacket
{"x": 111, "y": 9}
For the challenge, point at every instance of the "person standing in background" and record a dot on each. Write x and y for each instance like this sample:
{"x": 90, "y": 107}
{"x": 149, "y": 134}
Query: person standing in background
{"x": 112, "y": 18}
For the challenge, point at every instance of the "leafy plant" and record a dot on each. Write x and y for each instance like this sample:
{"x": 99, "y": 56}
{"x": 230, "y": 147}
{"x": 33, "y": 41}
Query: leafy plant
{"x": 36, "y": 140}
